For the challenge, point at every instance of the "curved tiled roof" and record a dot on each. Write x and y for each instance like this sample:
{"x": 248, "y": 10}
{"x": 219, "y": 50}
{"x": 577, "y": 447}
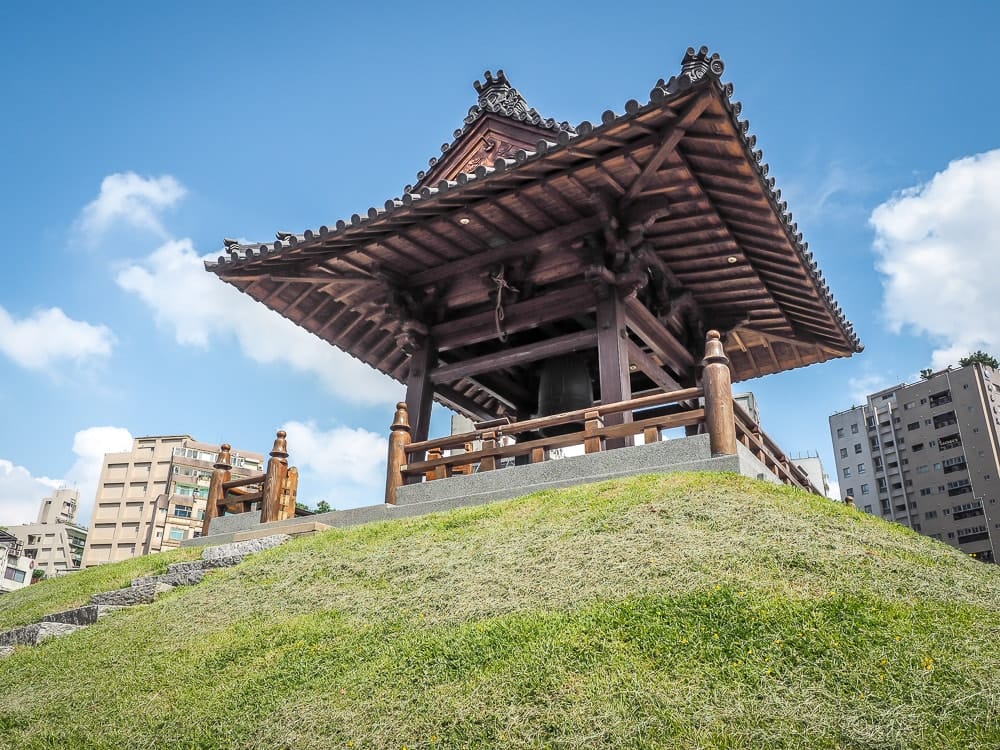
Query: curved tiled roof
{"x": 700, "y": 71}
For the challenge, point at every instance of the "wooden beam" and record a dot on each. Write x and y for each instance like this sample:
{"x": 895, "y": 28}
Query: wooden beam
{"x": 520, "y": 355}
{"x": 612, "y": 355}
{"x": 646, "y": 326}
{"x": 671, "y": 138}
{"x": 419, "y": 390}
{"x": 461, "y": 403}
{"x": 471, "y": 263}
{"x": 545, "y": 308}
{"x": 514, "y": 395}
{"x": 648, "y": 366}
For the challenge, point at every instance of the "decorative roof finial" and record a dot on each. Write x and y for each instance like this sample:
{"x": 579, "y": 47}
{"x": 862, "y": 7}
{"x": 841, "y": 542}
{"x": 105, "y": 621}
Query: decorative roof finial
{"x": 497, "y": 95}
{"x": 696, "y": 65}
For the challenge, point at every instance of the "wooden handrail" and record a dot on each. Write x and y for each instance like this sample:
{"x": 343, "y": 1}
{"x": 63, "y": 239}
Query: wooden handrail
{"x": 234, "y": 483}
{"x": 695, "y": 416}
{"x": 555, "y": 420}
{"x": 769, "y": 452}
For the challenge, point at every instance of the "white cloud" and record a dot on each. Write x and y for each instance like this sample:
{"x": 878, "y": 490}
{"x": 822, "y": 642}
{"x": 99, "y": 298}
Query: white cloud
{"x": 937, "y": 245}
{"x": 348, "y": 464}
{"x": 49, "y": 336}
{"x": 834, "y": 491}
{"x": 198, "y": 308}
{"x": 860, "y": 387}
{"x": 20, "y": 491}
{"x": 89, "y": 446}
{"x": 129, "y": 199}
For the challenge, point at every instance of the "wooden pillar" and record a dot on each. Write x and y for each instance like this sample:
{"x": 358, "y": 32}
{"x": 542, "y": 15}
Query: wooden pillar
{"x": 221, "y": 473}
{"x": 420, "y": 390}
{"x": 488, "y": 463}
{"x": 289, "y": 493}
{"x": 612, "y": 356}
{"x": 592, "y": 423}
{"x": 717, "y": 382}
{"x": 274, "y": 480}
{"x": 399, "y": 438}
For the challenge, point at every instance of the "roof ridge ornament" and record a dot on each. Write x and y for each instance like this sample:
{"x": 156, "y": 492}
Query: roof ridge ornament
{"x": 695, "y": 66}
{"x": 498, "y": 96}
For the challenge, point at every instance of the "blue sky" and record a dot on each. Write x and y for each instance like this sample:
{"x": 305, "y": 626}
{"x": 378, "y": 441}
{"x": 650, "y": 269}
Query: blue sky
{"x": 134, "y": 138}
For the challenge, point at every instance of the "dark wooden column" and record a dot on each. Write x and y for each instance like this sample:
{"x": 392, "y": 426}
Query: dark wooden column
{"x": 420, "y": 389}
{"x": 612, "y": 356}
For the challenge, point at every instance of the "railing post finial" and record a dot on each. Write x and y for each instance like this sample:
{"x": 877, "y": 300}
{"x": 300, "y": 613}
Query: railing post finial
{"x": 717, "y": 382}
{"x": 399, "y": 438}
{"x": 220, "y": 473}
{"x": 280, "y": 449}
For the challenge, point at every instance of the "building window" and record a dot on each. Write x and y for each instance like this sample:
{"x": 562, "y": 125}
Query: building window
{"x": 857, "y": 447}
{"x": 930, "y": 514}
{"x": 843, "y": 452}
{"x": 913, "y": 425}
{"x": 865, "y": 489}
{"x": 868, "y": 509}
{"x": 13, "y": 574}
{"x": 854, "y": 428}
{"x": 176, "y": 535}
{"x": 861, "y": 468}
{"x": 840, "y": 432}
{"x": 847, "y": 472}
{"x": 182, "y": 511}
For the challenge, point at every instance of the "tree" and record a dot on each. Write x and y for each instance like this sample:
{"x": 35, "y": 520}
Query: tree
{"x": 37, "y": 575}
{"x": 926, "y": 373}
{"x": 979, "y": 357}
{"x": 323, "y": 507}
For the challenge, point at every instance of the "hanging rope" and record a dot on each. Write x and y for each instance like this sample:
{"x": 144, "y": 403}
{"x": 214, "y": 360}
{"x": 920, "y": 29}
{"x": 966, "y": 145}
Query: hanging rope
{"x": 498, "y": 314}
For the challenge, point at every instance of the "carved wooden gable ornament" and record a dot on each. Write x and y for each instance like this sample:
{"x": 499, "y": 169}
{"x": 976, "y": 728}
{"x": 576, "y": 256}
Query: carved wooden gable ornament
{"x": 497, "y": 126}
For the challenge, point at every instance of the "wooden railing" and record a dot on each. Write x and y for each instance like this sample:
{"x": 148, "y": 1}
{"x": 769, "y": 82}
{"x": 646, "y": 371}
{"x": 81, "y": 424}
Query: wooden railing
{"x": 274, "y": 490}
{"x": 710, "y": 405}
{"x": 768, "y": 453}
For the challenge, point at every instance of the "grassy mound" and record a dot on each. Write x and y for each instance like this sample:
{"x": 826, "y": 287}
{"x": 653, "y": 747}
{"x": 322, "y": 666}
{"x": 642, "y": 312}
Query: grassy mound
{"x": 688, "y": 611}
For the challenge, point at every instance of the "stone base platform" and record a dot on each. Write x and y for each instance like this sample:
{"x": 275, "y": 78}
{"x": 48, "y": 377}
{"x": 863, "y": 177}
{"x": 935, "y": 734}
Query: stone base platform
{"x": 681, "y": 454}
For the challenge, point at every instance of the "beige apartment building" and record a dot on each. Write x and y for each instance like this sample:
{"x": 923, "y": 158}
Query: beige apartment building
{"x": 153, "y": 497}
{"x": 55, "y": 542}
{"x": 926, "y": 455}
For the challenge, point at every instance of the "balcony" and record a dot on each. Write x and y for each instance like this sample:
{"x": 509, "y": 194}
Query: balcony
{"x": 949, "y": 441}
{"x": 945, "y": 420}
{"x": 939, "y": 399}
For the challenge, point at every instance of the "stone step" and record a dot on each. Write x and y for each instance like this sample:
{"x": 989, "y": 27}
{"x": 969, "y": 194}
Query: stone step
{"x": 143, "y": 594}
{"x": 247, "y": 547}
{"x": 32, "y": 635}
{"x": 86, "y": 615}
{"x": 182, "y": 578}
{"x": 184, "y": 567}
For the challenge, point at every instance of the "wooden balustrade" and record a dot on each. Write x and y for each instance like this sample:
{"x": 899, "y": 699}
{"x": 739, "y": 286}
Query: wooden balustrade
{"x": 711, "y": 405}
{"x": 274, "y": 490}
{"x": 760, "y": 444}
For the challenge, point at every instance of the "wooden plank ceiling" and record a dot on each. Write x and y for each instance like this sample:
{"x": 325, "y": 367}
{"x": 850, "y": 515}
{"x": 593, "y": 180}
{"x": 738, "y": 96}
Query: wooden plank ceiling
{"x": 670, "y": 196}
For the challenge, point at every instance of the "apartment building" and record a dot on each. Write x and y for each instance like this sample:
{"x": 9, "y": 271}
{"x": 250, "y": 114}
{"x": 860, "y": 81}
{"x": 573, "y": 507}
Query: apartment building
{"x": 55, "y": 542}
{"x": 153, "y": 497}
{"x": 16, "y": 569}
{"x": 925, "y": 455}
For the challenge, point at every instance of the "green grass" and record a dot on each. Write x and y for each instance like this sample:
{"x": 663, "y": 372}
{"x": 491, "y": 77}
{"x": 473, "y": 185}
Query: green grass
{"x": 52, "y": 595}
{"x": 688, "y": 611}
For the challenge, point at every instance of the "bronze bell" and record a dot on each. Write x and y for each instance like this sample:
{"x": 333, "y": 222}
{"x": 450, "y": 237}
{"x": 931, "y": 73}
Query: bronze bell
{"x": 564, "y": 385}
